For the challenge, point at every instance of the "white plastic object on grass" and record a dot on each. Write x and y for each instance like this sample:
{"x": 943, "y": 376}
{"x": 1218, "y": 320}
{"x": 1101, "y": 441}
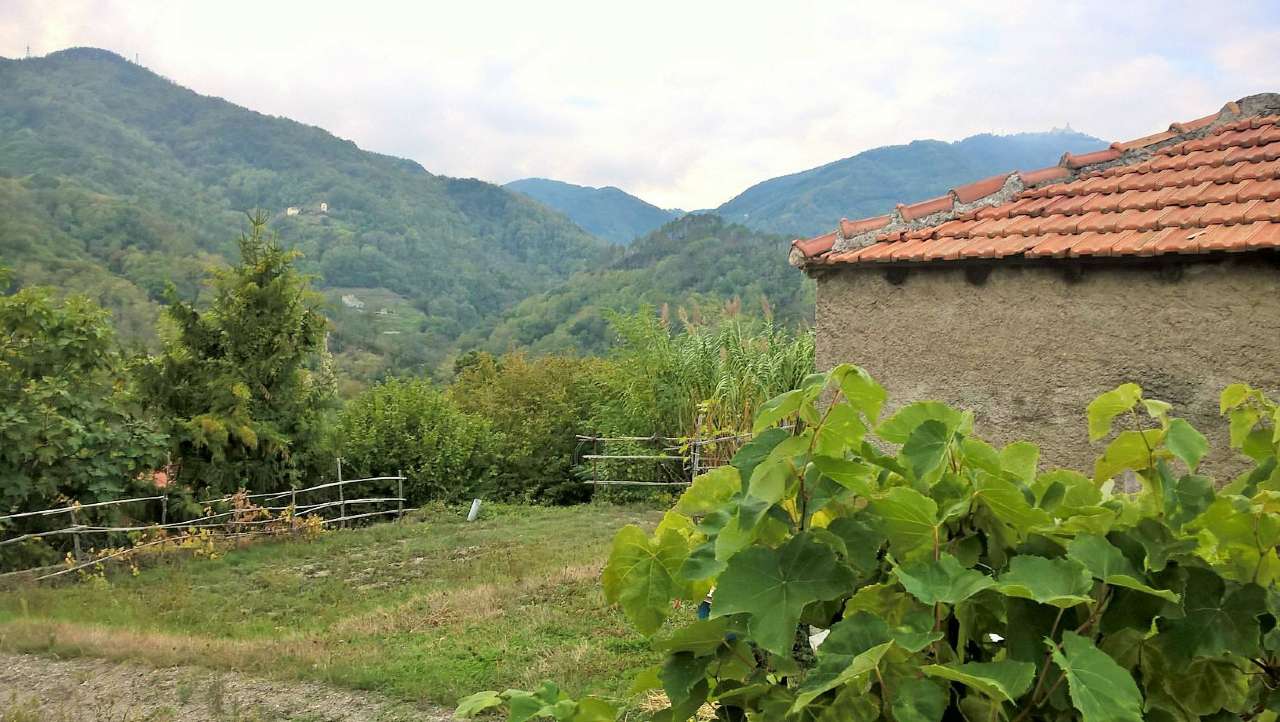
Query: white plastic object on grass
{"x": 475, "y": 510}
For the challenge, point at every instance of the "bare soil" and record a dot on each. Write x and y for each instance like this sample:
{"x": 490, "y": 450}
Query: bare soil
{"x": 94, "y": 690}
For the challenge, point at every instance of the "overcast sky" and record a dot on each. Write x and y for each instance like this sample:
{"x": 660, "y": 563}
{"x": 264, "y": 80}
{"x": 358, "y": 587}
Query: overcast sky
{"x": 682, "y": 103}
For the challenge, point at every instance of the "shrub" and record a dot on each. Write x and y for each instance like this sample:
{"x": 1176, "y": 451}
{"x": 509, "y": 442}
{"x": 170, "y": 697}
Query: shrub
{"x": 942, "y": 578}
{"x": 412, "y": 426}
{"x": 537, "y": 407}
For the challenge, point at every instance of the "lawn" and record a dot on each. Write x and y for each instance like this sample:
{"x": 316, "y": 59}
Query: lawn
{"x": 425, "y": 610}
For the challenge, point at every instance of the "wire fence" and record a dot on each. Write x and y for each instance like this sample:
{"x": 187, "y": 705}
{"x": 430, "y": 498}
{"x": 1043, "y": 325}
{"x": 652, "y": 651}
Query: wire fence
{"x": 664, "y": 461}
{"x": 233, "y": 516}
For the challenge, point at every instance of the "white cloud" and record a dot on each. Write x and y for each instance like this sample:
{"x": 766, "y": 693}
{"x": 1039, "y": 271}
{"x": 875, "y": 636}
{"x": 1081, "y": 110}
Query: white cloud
{"x": 682, "y": 103}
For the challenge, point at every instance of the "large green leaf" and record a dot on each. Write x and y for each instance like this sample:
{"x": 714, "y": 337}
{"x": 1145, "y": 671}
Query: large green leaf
{"x": 1105, "y": 561}
{"x": 841, "y": 430}
{"x": 1102, "y": 410}
{"x": 709, "y": 491}
{"x": 908, "y": 518}
{"x": 778, "y": 408}
{"x": 1219, "y": 620}
{"x": 1005, "y": 680}
{"x": 642, "y": 575}
{"x": 853, "y": 648}
{"x": 1057, "y": 582}
{"x": 772, "y": 587}
{"x": 474, "y": 704}
{"x": 926, "y": 447}
{"x": 943, "y": 580}
{"x": 862, "y": 391}
{"x": 919, "y": 700}
{"x": 855, "y": 476}
{"x": 1008, "y": 504}
{"x": 1186, "y": 443}
{"x": 1101, "y": 689}
{"x": 1136, "y": 450}
{"x": 898, "y": 428}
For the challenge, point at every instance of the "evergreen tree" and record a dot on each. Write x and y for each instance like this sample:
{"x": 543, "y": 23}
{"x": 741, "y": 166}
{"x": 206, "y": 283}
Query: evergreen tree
{"x": 246, "y": 382}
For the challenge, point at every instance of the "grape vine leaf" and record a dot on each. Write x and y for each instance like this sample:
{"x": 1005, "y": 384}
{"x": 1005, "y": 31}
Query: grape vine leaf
{"x": 853, "y": 648}
{"x": 942, "y": 580}
{"x": 898, "y": 428}
{"x": 1101, "y": 689}
{"x": 926, "y": 447}
{"x": 1137, "y": 450}
{"x": 773, "y": 586}
{"x": 908, "y": 518}
{"x": 1103, "y": 409}
{"x": 709, "y": 491}
{"x": 919, "y": 700}
{"x": 1186, "y": 443}
{"x": 1004, "y": 680}
{"x": 1218, "y": 620}
{"x": 864, "y": 392}
{"x": 643, "y": 575}
{"x": 1106, "y": 562}
{"x": 1058, "y": 582}
{"x": 474, "y": 704}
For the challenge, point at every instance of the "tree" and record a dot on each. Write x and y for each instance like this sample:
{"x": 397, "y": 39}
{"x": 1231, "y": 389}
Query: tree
{"x": 70, "y": 427}
{"x": 245, "y": 383}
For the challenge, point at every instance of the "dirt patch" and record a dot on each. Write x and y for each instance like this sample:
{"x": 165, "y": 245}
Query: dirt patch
{"x": 89, "y": 690}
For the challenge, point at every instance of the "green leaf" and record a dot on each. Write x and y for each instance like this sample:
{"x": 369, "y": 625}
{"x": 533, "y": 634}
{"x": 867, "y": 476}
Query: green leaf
{"x": 841, "y": 430}
{"x": 943, "y": 580}
{"x": 474, "y": 704}
{"x": 1102, "y": 410}
{"x": 853, "y": 648}
{"x": 778, "y": 408}
{"x": 860, "y": 389}
{"x": 852, "y": 475}
{"x": 684, "y": 679}
{"x": 908, "y": 518}
{"x": 1100, "y": 689}
{"x": 898, "y": 428}
{"x": 1218, "y": 620}
{"x": 593, "y": 709}
{"x": 1005, "y": 680}
{"x": 773, "y": 586}
{"x": 861, "y": 539}
{"x": 1058, "y": 582}
{"x": 1137, "y": 450}
{"x": 1008, "y": 504}
{"x": 757, "y": 450}
{"x": 701, "y": 637}
{"x": 642, "y": 575}
{"x": 926, "y": 447}
{"x": 1186, "y": 443}
{"x": 710, "y": 491}
{"x": 1105, "y": 561}
{"x": 919, "y": 700}
{"x": 1020, "y": 459}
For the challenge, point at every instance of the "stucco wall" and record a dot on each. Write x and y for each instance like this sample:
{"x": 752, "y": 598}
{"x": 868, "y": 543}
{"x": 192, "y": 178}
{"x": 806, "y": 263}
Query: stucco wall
{"x": 1029, "y": 347}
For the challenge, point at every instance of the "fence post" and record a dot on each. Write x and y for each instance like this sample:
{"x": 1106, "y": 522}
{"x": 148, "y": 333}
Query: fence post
{"x": 164, "y": 510}
{"x": 342, "y": 498}
{"x": 697, "y": 447}
{"x": 400, "y": 493}
{"x": 75, "y": 535}
{"x": 293, "y": 509}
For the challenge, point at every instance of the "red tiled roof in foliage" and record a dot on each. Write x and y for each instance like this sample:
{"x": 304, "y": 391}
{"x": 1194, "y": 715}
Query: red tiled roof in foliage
{"x": 1210, "y": 185}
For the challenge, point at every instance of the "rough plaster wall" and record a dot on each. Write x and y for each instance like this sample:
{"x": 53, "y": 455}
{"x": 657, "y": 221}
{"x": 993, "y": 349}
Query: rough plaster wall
{"x": 1028, "y": 349}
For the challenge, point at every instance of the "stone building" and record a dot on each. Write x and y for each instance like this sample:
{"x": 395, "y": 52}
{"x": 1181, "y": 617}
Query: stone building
{"x": 1025, "y": 295}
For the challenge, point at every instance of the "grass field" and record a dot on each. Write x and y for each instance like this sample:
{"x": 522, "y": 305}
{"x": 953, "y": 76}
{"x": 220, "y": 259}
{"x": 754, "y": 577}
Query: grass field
{"x": 425, "y": 610}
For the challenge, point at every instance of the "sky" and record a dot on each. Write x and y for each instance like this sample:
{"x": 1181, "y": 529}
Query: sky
{"x": 684, "y": 104}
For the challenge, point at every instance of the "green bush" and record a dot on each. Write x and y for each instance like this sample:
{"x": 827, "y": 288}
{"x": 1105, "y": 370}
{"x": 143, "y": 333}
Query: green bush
{"x": 954, "y": 580}
{"x": 411, "y": 426}
{"x": 537, "y": 406}
{"x": 70, "y": 426}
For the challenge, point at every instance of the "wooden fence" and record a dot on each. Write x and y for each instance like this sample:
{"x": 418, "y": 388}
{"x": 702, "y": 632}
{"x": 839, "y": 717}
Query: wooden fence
{"x": 249, "y": 515}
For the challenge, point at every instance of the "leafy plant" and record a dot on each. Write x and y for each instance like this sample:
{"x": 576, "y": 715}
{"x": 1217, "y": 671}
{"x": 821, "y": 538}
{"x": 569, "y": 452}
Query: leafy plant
{"x": 412, "y": 426}
{"x": 901, "y": 568}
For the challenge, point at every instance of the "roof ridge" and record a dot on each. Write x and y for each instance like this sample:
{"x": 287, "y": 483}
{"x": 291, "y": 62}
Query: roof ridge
{"x": 962, "y": 202}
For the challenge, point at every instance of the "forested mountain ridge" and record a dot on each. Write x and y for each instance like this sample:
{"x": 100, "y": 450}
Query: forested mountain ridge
{"x": 872, "y": 182}
{"x": 610, "y": 213}
{"x": 115, "y": 181}
{"x": 698, "y": 264}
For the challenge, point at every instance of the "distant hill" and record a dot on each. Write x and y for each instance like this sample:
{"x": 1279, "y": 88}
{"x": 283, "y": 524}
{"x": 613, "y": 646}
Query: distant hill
{"x": 115, "y": 181}
{"x": 872, "y": 182}
{"x": 610, "y": 213}
{"x": 698, "y": 264}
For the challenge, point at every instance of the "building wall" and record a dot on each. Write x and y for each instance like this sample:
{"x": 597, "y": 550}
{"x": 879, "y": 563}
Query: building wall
{"x": 1029, "y": 347}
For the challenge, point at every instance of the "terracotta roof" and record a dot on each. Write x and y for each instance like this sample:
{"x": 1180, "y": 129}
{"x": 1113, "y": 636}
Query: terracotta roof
{"x": 1205, "y": 186}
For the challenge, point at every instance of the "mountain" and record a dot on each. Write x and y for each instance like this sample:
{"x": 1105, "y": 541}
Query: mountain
{"x": 610, "y": 213}
{"x": 699, "y": 264}
{"x": 115, "y": 181}
{"x": 872, "y": 182}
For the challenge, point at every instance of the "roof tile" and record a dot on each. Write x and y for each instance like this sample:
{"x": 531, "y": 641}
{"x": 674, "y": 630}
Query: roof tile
{"x": 1211, "y": 194}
